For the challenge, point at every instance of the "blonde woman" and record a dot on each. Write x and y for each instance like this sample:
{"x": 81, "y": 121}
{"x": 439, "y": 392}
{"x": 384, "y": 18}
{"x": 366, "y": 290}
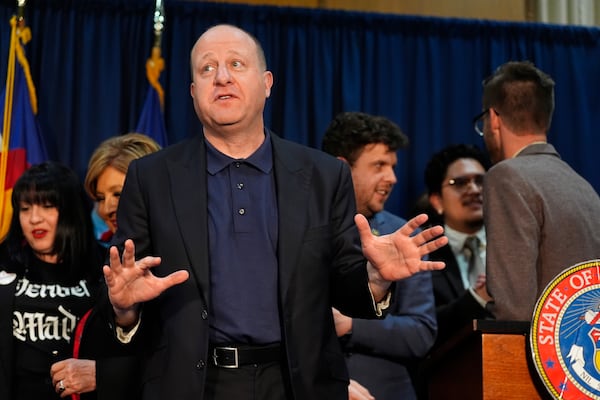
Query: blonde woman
{"x": 106, "y": 173}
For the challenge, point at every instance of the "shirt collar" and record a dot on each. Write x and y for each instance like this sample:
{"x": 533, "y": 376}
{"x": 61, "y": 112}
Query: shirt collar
{"x": 456, "y": 239}
{"x": 524, "y": 147}
{"x": 261, "y": 159}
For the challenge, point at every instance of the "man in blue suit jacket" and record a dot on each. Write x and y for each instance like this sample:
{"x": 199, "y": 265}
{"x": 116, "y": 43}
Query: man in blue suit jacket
{"x": 380, "y": 352}
{"x": 243, "y": 243}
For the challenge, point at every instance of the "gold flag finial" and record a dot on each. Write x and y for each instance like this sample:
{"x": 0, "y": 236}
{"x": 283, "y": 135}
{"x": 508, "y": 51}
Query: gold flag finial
{"x": 155, "y": 64}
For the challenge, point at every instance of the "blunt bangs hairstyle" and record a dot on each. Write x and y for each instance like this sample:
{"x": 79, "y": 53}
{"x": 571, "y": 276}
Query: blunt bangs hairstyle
{"x": 51, "y": 183}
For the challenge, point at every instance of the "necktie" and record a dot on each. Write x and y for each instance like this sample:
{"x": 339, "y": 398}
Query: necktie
{"x": 476, "y": 266}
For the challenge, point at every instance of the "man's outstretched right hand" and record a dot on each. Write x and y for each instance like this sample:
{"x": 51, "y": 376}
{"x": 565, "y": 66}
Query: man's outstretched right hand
{"x": 131, "y": 282}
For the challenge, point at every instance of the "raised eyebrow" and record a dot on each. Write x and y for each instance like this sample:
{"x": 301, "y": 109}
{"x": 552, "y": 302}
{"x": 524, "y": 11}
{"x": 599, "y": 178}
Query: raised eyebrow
{"x": 230, "y": 54}
{"x": 206, "y": 55}
{"x": 204, "y": 59}
{"x": 236, "y": 54}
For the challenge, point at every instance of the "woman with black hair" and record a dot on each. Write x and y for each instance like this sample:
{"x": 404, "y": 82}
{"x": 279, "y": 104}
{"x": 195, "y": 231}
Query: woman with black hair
{"x": 50, "y": 277}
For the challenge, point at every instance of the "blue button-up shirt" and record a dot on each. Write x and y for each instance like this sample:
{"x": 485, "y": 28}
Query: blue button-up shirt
{"x": 242, "y": 211}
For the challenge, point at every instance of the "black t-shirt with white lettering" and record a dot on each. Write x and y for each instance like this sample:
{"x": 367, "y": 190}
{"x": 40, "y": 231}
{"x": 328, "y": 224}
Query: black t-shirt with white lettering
{"x": 47, "y": 307}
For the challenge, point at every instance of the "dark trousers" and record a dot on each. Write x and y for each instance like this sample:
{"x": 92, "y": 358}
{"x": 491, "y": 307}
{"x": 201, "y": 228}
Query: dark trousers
{"x": 251, "y": 382}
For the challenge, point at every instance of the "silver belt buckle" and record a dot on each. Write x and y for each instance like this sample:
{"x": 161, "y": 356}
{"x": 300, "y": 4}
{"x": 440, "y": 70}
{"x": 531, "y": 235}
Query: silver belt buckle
{"x": 235, "y": 357}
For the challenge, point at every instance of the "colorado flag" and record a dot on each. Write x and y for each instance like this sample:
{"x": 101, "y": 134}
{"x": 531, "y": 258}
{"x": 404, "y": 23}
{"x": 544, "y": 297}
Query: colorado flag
{"x": 22, "y": 144}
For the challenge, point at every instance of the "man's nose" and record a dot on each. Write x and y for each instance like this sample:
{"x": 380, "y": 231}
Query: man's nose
{"x": 474, "y": 185}
{"x": 390, "y": 176}
{"x": 223, "y": 76}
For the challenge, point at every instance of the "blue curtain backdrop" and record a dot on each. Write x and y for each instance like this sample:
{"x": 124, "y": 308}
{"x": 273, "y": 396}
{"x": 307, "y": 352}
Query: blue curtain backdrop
{"x": 88, "y": 56}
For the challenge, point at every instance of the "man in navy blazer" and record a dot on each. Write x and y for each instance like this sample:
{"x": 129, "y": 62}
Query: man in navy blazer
{"x": 379, "y": 353}
{"x": 244, "y": 241}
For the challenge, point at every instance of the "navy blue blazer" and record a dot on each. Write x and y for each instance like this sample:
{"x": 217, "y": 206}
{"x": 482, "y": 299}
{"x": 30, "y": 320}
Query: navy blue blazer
{"x": 381, "y": 353}
{"x": 163, "y": 208}
{"x": 455, "y": 306}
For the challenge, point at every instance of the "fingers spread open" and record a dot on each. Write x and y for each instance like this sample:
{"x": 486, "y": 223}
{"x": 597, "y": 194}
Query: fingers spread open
{"x": 433, "y": 245}
{"x": 413, "y": 224}
{"x": 428, "y": 234}
{"x": 176, "y": 278}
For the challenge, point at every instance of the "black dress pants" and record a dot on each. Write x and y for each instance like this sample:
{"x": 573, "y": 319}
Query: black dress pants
{"x": 250, "y": 382}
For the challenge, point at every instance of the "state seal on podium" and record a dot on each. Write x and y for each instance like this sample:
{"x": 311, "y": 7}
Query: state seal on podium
{"x": 565, "y": 333}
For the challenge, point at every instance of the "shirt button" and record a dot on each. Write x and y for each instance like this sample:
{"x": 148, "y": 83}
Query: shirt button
{"x": 237, "y": 164}
{"x": 200, "y": 364}
{"x": 240, "y": 186}
{"x": 204, "y": 314}
{"x": 241, "y": 211}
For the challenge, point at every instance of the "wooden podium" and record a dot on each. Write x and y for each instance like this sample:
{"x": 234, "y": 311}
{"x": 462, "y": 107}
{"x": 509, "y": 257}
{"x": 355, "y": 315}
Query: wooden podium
{"x": 487, "y": 361}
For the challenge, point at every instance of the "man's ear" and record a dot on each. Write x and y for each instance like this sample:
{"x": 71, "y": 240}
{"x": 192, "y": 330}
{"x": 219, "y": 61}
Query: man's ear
{"x": 435, "y": 199}
{"x": 343, "y": 159}
{"x": 495, "y": 121}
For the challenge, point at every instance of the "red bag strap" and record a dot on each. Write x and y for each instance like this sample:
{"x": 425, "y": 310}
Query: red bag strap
{"x": 77, "y": 342}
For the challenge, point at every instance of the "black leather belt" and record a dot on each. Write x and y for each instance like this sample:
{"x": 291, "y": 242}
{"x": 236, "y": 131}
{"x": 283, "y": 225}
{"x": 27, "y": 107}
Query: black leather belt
{"x": 227, "y": 356}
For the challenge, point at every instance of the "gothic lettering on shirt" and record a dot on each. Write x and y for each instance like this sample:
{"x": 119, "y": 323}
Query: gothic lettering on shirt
{"x": 35, "y": 290}
{"x": 38, "y": 326}
{"x": 51, "y": 324}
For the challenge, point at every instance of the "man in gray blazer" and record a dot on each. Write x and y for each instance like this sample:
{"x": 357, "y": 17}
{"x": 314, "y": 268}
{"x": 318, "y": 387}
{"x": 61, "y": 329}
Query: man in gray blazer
{"x": 257, "y": 238}
{"x": 541, "y": 217}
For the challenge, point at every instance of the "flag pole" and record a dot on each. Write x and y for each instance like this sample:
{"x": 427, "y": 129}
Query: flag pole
{"x": 156, "y": 64}
{"x": 8, "y": 103}
{"x": 20, "y": 36}
{"x": 159, "y": 22}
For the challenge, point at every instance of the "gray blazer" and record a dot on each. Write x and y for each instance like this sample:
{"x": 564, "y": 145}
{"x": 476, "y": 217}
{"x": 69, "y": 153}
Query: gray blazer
{"x": 541, "y": 217}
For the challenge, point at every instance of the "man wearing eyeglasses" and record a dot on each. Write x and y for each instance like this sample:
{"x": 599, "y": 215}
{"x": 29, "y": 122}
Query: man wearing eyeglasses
{"x": 454, "y": 177}
{"x": 541, "y": 217}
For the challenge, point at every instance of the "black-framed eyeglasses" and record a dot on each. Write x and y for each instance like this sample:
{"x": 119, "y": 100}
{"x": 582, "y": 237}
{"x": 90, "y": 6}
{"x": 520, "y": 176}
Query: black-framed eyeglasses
{"x": 479, "y": 119}
{"x": 461, "y": 183}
